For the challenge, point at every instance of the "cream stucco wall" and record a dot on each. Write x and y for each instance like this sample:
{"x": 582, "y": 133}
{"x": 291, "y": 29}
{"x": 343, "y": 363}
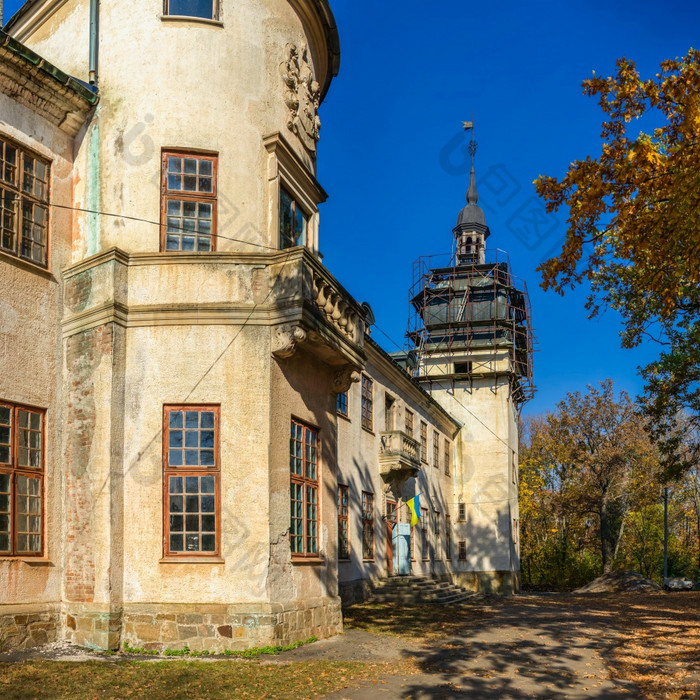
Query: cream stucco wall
{"x": 487, "y": 454}
{"x": 30, "y": 348}
{"x": 359, "y": 469}
{"x": 180, "y": 84}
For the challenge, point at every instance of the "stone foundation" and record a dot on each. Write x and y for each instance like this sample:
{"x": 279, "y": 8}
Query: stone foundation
{"x": 213, "y": 628}
{"x": 217, "y": 628}
{"x": 353, "y": 592}
{"x": 90, "y": 626}
{"x": 490, "y": 582}
{"x": 24, "y": 627}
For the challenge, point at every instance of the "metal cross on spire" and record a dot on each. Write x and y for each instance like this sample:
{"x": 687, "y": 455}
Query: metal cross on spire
{"x": 472, "y": 144}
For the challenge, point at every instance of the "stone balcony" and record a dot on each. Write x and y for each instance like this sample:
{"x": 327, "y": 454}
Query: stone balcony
{"x": 290, "y": 291}
{"x": 399, "y": 455}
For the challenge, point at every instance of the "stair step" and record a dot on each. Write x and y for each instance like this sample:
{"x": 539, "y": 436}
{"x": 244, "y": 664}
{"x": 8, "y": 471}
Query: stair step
{"x": 419, "y": 589}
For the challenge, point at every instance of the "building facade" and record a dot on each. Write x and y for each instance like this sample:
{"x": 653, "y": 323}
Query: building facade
{"x": 200, "y": 443}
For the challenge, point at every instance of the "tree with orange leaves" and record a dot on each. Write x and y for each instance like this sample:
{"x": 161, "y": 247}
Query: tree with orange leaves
{"x": 634, "y": 232}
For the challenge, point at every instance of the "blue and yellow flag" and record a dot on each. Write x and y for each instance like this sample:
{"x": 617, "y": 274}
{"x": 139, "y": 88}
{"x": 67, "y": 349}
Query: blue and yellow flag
{"x": 414, "y": 506}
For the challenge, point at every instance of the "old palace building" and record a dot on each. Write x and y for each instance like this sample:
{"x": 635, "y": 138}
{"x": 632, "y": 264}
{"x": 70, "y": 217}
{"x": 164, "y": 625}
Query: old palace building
{"x": 200, "y": 442}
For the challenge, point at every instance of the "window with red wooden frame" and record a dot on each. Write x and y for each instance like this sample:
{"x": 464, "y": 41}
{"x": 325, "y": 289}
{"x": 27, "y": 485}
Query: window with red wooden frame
{"x": 462, "y": 554}
{"x": 22, "y": 469}
{"x": 436, "y": 449}
{"x": 191, "y": 473}
{"x": 425, "y": 545}
{"x": 423, "y": 442}
{"x": 448, "y": 537}
{"x": 304, "y": 504}
{"x": 367, "y": 403}
{"x": 446, "y": 457}
{"x": 367, "y": 525}
{"x": 24, "y": 203}
{"x": 343, "y": 529}
{"x": 188, "y": 201}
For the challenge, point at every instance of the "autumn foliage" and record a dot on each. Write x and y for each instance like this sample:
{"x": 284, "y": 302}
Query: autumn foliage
{"x": 633, "y": 230}
{"x": 591, "y": 485}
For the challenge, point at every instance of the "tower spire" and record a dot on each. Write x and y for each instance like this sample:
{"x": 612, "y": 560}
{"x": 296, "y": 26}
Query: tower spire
{"x": 471, "y": 230}
{"x": 472, "y": 196}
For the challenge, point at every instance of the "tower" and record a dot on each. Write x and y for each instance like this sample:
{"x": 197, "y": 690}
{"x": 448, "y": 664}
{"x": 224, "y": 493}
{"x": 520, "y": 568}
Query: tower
{"x": 470, "y": 330}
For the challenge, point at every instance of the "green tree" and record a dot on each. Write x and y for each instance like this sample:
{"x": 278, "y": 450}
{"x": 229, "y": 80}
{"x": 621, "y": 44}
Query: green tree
{"x": 634, "y": 230}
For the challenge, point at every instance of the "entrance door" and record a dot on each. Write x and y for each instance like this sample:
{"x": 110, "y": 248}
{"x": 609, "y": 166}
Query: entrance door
{"x": 390, "y": 537}
{"x": 402, "y": 549}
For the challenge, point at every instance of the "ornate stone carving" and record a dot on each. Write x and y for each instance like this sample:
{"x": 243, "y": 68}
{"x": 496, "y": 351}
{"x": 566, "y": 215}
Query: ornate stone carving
{"x": 286, "y": 339}
{"x": 302, "y": 96}
{"x": 332, "y": 303}
{"x": 344, "y": 377}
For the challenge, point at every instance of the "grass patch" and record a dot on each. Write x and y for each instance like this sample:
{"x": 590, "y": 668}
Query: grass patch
{"x": 172, "y": 680}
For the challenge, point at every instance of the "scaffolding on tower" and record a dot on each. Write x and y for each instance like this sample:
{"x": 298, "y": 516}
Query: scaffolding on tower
{"x": 470, "y": 320}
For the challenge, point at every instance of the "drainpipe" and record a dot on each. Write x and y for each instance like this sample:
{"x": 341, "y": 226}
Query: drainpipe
{"x": 94, "y": 38}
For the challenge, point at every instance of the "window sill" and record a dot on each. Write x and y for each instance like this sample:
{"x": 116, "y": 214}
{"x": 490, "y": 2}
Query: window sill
{"x": 368, "y": 430}
{"x": 344, "y": 417}
{"x": 191, "y": 560}
{"x": 26, "y": 265}
{"x": 308, "y": 560}
{"x": 36, "y": 561}
{"x": 186, "y": 18}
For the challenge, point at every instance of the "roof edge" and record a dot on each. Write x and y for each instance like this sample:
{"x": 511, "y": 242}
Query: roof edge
{"x": 53, "y": 72}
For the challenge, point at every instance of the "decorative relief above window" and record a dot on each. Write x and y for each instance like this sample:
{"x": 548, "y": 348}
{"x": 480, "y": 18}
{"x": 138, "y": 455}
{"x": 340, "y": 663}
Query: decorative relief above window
{"x": 24, "y": 199}
{"x": 303, "y": 95}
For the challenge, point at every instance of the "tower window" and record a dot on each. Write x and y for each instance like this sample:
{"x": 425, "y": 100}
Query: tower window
{"x": 206, "y": 9}
{"x": 293, "y": 221}
{"x": 463, "y": 367}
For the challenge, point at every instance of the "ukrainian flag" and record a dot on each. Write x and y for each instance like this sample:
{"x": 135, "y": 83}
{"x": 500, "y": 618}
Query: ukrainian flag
{"x": 414, "y": 506}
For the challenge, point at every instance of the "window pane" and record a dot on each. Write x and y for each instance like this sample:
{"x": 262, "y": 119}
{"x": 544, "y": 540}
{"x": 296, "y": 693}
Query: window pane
{"x": 208, "y": 543}
{"x": 192, "y": 419}
{"x": 176, "y": 504}
{"x": 207, "y": 504}
{"x": 175, "y": 458}
{"x": 207, "y": 484}
{"x": 176, "y": 523}
{"x": 175, "y": 420}
{"x": 176, "y": 438}
{"x": 176, "y": 543}
{"x": 207, "y": 418}
{"x": 192, "y": 484}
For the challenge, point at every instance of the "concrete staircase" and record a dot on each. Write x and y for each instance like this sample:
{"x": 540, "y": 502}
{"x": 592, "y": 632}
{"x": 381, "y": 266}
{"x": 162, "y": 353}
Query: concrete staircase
{"x": 419, "y": 590}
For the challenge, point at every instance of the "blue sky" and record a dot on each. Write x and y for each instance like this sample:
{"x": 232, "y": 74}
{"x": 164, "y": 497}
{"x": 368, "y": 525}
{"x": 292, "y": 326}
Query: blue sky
{"x": 392, "y": 156}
